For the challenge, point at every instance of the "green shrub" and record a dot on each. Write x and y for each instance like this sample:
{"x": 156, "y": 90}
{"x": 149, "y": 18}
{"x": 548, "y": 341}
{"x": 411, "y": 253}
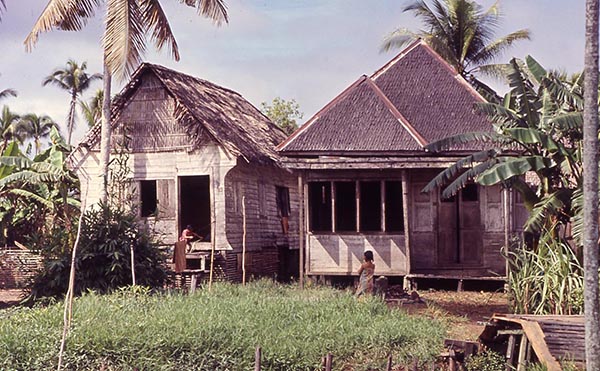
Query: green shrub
{"x": 486, "y": 361}
{"x": 547, "y": 280}
{"x": 103, "y": 258}
{"x": 219, "y": 330}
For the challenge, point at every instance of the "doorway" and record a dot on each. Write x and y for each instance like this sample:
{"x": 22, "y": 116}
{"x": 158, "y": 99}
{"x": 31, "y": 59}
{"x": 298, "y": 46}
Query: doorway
{"x": 459, "y": 229}
{"x": 194, "y": 204}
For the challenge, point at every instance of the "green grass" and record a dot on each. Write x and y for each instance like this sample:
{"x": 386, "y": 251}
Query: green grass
{"x": 219, "y": 330}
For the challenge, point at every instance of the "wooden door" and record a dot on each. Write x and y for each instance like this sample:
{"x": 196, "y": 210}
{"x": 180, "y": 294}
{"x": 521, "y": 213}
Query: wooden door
{"x": 459, "y": 229}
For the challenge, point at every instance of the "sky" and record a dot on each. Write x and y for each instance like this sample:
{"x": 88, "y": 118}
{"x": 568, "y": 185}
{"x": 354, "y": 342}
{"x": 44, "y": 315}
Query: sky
{"x": 307, "y": 50}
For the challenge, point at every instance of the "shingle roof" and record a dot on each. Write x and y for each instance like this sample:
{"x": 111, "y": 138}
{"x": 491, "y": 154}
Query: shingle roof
{"x": 413, "y": 100}
{"x": 230, "y": 119}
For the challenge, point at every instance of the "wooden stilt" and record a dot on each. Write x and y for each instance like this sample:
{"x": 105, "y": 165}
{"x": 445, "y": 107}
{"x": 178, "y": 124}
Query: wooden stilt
{"x": 328, "y": 362}
{"x": 244, "y": 239}
{"x": 522, "y": 360}
{"x": 510, "y": 353}
{"x": 257, "y": 358}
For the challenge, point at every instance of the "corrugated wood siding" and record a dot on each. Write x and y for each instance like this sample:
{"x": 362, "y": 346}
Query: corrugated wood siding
{"x": 263, "y": 222}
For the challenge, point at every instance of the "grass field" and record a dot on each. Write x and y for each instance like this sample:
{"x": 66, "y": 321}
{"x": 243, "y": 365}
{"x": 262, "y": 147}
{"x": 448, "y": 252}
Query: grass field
{"x": 219, "y": 330}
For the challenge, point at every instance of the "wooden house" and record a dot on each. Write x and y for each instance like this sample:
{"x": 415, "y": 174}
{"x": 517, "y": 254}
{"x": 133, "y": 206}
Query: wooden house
{"x": 361, "y": 168}
{"x": 202, "y": 155}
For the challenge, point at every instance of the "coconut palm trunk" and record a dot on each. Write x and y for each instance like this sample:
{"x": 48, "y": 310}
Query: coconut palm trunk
{"x": 105, "y": 134}
{"x": 71, "y": 123}
{"x": 590, "y": 188}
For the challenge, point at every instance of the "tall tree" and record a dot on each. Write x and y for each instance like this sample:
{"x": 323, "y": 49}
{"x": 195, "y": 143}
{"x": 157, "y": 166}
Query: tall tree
{"x": 75, "y": 81}
{"x": 92, "y": 109}
{"x": 37, "y": 128}
{"x": 128, "y": 24}
{"x": 10, "y": 127}
{"x": 590, "y": 188}
{"x": 284, "y": 113}
{"x": 458, "y": 30}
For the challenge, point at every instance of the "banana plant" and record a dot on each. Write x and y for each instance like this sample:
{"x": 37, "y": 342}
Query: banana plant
{"x": 536, "y": 129}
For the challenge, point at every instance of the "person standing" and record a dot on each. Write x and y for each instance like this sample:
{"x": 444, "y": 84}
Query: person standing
{"x": 366, "y": 273}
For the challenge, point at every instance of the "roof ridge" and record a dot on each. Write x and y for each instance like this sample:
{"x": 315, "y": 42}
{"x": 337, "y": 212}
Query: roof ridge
{"x": 323, "y": 110}
{"x": 397, "y": 114}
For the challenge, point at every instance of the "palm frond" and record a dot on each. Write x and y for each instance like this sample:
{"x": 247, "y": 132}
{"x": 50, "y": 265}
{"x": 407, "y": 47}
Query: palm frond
{"x": 500, "y": 114}
{"x": 31, "y": 177}
{"x": 462, "y": 180}
{"x": 8, "y": 93}
{"x": 459, "y": 166}
{"x": 533, "y": 136}
{"x": 124, "y": 40}
{"x": 568, "y": 121}
{"x": 459, "y": 139}
{"x": 211, "y": 9}
{"x": 498, "y": 46}
{"x": 157, "y": 22}
{"x": 61, "y": 14}
{"x": 18, "y": 162}
{"x": 397, "y": 39}
{"x": 31, "y": 196}
{"x": 511, "y": 167}
{"x": 549, "y": 205}
{"x": 528, "y": 196}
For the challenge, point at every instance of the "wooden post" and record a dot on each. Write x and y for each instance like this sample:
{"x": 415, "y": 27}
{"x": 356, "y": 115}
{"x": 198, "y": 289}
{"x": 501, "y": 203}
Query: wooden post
{"x": 193, "y": 283}
{"x": 257, "y": 357}
{"x": 507, "y": 227}
{"x": 357, "y": 196}
{"x": 510, "y": 353}
{"x": 522, "y": 360}
{"x": 132, "y": 265}
{"x": 244, "y": 239}
{"x": 382, "y": 202}
{"x": 328, "y": 362}
{"x": 406, "y": 216}
{"x": 301, "y": 231}
{"x": 213, "y": 226}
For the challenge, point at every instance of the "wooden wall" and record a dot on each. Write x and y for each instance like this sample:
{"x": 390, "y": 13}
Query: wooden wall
{"x": 263, "y": 223}
{"x": 425, "y": 221}
{"x": 17, "y": 268}
{"x": 343, "y": 254}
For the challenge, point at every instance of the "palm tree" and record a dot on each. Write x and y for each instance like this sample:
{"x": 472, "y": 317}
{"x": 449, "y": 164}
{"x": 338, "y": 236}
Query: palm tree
{"x": 10, "y": 127}
{"x": 590, "y": 188}
{"x": 38, "y": 127}
{"x": 74, "y": 80}
{"x": 8, "y": 92}
{"x": 459, "y": 31}
{"x": 2, "y": 8}
{"x": 92, "y": 109}
{"x": 124, "y": 41}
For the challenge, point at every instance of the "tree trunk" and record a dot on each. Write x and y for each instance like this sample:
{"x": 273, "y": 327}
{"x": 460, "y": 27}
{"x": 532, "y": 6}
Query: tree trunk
{"x": 105, "y": 135}
{"x": 71, "y": 123}
{"x": 590, "y": 188}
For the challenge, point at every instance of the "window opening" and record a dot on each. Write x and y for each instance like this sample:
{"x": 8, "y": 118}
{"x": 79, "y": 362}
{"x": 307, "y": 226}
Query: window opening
{"x": 470, "y": 193}
{"x": 370, "y": 206}
{"x": 148, "y": 198}
{"x": 345, "y": 206}
{"x": 283, "y": 200}
{"x": 394, "y": 213}
{"x": 319, "y": 194}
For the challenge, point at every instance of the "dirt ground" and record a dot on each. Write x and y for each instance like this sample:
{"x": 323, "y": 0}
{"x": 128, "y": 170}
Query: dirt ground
{"x": 9, "y": 297}
{"x": 466, "y": 312}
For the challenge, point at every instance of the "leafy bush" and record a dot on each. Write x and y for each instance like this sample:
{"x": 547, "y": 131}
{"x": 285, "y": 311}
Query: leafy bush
{"x": 547, "y": 280}
{"x": 486, "y": 361}
{"x": 103, "y": 257}
{"x": 219, "y": 330}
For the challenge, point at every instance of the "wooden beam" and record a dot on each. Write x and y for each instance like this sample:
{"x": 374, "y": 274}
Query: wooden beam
{"x": 244, "y": 239}
{"x": 301, "y": 231}
{"x": 521, "y": 362}
{"x": 306, "y": 257}
{"x": 406, "y": 217}
{"x": 382, "y": 191}
{"x": 357, "y": 196}
{"x": 333, "y": 207}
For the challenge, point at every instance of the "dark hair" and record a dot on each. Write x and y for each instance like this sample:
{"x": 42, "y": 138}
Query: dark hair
{"x": 369, "y": 255}
{"x": 189, "y": 226}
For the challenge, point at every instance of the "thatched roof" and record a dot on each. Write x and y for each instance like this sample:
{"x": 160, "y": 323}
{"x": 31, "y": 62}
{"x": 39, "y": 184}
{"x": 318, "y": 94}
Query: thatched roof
{"x": 415, "y": 99}
{"x": 203, "y": 107}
